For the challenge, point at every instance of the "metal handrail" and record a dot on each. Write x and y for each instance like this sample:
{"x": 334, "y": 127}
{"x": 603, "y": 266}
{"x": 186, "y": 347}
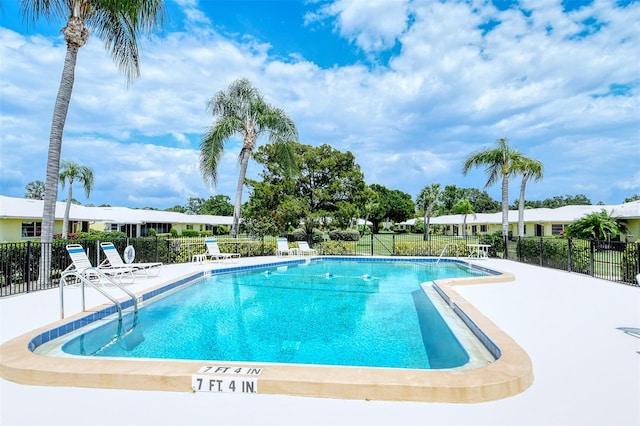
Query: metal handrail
{"x": 82, "y": 276}
{"x": 445, "y": 248}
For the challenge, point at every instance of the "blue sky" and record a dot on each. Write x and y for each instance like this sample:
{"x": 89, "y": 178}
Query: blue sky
{"x": 411, "y": 88}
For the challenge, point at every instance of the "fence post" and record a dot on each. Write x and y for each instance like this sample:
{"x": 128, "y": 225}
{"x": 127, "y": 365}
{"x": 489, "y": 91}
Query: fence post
{"x": 591, "y": 257}
{"x": 541, "y": 249}
{"x": 637, "y": 262}
{"x": 371, "y": 239}
{"x": 28, "y": 265}
{"x": 569, "y": 255}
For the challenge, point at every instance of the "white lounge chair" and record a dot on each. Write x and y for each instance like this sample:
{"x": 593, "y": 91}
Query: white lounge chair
{"x": 303, "y": 248}
{"x": 213, "y": 251}
{"x": 283, "y": 248}
{"x": 82, "y": 264}
{"x": 113, "y": 260}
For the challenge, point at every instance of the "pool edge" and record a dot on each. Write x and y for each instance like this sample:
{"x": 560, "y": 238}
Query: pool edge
{"x": 509, "y": 375}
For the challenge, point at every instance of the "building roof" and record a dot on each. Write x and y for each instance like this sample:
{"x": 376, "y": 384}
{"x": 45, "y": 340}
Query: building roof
{"x": 566, "y": 214}
{"x": 24, "y": 208}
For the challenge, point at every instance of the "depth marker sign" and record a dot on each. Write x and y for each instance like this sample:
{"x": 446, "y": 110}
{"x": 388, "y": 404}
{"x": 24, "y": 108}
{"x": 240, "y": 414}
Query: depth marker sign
{"x": 219, "y": 379}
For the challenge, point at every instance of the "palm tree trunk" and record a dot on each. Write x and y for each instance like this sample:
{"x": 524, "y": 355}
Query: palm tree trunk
{"x": 523, "y": 185}
{"x": 464, "y": 226}
{"x": 505, "y": 205}
{"x": 425, "y": 230}
{"x": 53, "y": 160}
{"x": 244, "y": 163}
{"x": 65, "y": 222}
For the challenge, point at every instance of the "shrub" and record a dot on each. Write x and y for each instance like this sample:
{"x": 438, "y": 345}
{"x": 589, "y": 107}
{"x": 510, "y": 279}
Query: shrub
{"x": 336, "y": 247}
{"x": 297, "y": 235}
{"x": 433, "y": 247}
{"x": 495, "y": 240}
{"x": 344, "y": 235}
{"x": 190, "y": 233}
{"x": 629, "y": 266}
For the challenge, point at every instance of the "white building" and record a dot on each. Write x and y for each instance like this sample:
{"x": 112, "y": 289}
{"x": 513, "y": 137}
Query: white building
{"x": 21, "y": 218}
{"x": 538, "y": 222}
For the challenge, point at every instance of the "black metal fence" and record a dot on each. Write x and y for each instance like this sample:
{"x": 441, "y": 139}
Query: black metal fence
{"x": 610, "y": 260}
{"x": 20, "y": 262}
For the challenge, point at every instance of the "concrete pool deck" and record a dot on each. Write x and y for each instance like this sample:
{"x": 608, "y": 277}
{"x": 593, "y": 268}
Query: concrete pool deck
{"x": 586, "y": 368}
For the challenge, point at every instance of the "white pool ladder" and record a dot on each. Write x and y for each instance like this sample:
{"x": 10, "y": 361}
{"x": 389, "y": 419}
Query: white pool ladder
{"x": 445, "y": 249}
{"x": 84, "y": 280}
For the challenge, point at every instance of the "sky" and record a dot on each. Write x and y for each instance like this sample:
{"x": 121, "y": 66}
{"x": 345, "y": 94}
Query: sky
{"x": 410, "y": 87}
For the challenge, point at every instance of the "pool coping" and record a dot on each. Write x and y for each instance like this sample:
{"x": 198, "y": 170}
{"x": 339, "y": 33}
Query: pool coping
{"x": 510, "y": 374}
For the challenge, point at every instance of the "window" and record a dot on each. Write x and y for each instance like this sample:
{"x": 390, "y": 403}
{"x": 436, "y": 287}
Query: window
{"x": 31, "y": 229}
{"x": 557, "y": 228}
{"x": 160, "y": 228}
{"x": 474, "y": 229}
{"x": 483, "y": 228}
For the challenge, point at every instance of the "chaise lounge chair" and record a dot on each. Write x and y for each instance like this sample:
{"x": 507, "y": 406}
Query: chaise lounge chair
{"x": 213, "y": 251}
{"x": 283, "y": 248}
{"x": 304, "y": 249}
{"x": 82, "y": 265}
{"x": 113, "y": 260}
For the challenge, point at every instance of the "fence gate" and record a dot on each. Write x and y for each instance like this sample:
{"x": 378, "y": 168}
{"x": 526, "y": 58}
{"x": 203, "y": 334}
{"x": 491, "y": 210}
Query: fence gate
{"x": 376, "y": 244}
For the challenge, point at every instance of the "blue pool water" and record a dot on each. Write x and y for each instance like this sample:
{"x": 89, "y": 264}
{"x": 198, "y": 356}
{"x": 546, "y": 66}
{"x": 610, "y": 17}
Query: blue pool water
{"x": 324, "y": 312}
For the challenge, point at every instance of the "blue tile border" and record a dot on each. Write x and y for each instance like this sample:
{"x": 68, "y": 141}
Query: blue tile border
{"x": 92, "y": 317}
{"x": 493, "y": 349}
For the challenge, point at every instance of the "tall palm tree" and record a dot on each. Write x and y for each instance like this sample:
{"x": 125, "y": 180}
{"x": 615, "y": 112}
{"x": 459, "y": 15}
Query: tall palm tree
{"x": 71, "y": 172}
{"x": 426, "y": 200}
{"x": 465, "y": 208}
{"x": 499, "y": 166}
{"x": 241, "y": 110}
{"x": 117, "y": 24}
{"x": 529, "y": 169}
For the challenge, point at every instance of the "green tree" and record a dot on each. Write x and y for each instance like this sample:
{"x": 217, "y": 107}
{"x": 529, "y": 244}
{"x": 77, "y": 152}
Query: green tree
{"x": 560, "y": 201}
{"x": 426, "y": 200}
{"x": 369, "y": 203}
{"x": 529, "y": 169}
{"x": 194, "y": 205}
{"x": 117, "y": 24}
{"x": 480, "y": 200}
{"x": 392, "y": 204}
{"x": 34, "y": 190}
{"x": 464, "y": 208}
{"x": 219, "y": 205}
{"x": 499, "y": 166}
{"x": 599, "y": 226}
{"x": 177, "y": 208}
{"x": 241, "y": 110}
{"x": 72, "y": 172}
{"x": 328, "y": 181}
{"x": 634, "y": 197}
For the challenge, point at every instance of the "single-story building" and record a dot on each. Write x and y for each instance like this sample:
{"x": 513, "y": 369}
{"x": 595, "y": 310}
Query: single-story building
{"x": 21, "y": 219}
{"x": 537, "y": 222}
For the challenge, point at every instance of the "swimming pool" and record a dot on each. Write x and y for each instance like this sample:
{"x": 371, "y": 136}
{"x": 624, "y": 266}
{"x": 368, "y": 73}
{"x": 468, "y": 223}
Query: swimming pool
{"x": 326, "y": 312}
{"x": 510, "y": 373}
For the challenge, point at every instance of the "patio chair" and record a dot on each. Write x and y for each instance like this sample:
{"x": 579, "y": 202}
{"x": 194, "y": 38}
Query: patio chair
{"x": 303, "y": 248}
{"x": 213, "y": 252}
{"x": 283, "y": 248}
{"x": 82, "y": 265}
{"x": 113, "y": 260}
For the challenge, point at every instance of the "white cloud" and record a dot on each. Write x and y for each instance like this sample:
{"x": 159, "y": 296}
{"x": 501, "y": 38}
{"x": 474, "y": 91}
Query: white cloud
{"x": 449, "y": 91}
{"x": 373, "y": 25}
